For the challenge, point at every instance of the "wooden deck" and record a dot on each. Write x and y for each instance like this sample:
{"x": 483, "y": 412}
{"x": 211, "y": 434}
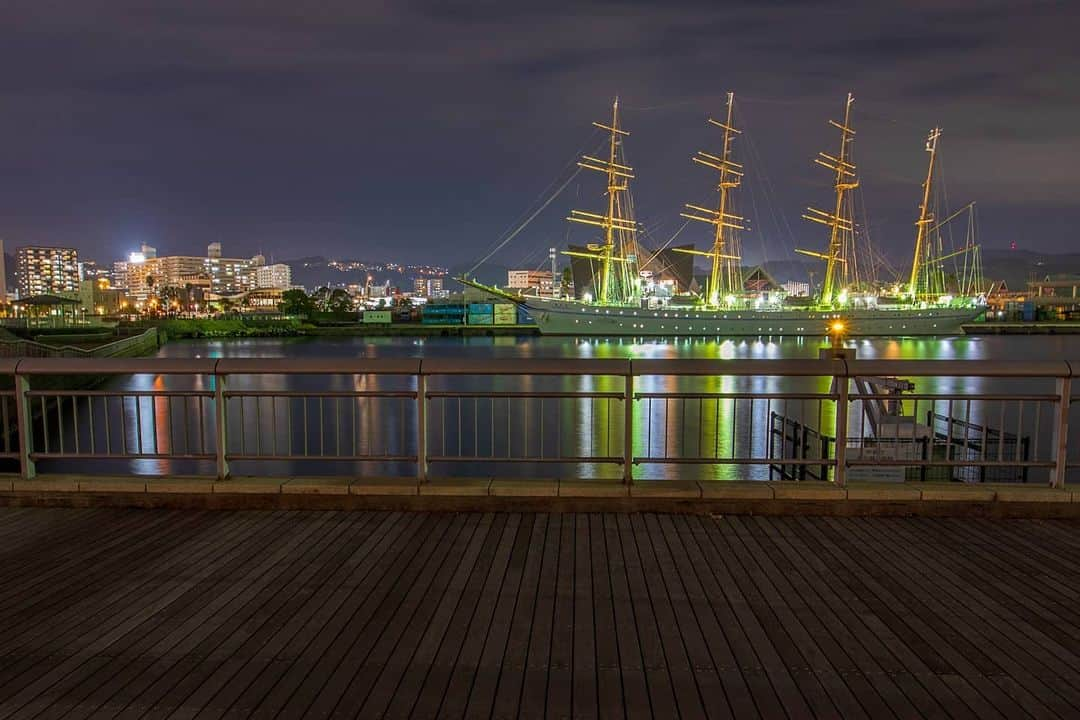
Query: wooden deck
{"x": 138, "y": 613}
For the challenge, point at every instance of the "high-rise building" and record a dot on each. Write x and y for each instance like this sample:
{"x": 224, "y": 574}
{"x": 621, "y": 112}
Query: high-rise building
{"x": 429, "y": 287}
{"x": 277, "y": 276}
{"x": 144, "y": 273}
{"x": 46, "y": 270}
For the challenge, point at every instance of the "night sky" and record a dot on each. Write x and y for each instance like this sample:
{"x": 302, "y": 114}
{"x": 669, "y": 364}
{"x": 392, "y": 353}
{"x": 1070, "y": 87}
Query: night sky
{"x": 419, "y": 131}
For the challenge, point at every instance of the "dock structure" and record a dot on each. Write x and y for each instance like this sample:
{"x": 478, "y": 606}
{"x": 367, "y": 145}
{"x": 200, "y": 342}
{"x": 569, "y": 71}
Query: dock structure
{"x": 136, "y": 613}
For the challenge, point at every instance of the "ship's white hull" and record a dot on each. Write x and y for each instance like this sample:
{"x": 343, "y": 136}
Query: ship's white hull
{"x": 566, "y": 317}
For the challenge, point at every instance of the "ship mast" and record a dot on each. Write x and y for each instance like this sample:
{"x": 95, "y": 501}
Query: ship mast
{"x": 926, "y": 219}
{"x": 725, "y": 280}
{"x": 613, "y": 222}
{"x": 837, "y": 222}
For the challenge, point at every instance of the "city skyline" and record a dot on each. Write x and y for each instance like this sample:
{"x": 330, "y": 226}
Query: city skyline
{"x": 338, "y": 133}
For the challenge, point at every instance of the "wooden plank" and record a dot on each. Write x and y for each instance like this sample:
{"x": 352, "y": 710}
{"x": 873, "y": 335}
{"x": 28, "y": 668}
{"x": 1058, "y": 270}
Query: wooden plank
{"x": 258, "y": 628}
{"x": 685, "y": 679}
{"x": 533, "y": 701}
{"x": 489, "y": 668}
{"x": 842, "y": 678}
{"x": 894, "y": 603}
{"x": 1001, "y": 636}
{"x": 312, "y": 651}
{"x": 631, "y": 663}
{"x": 512, "y": 672}
{"x": 331, "y": 676}
{"x": 701, "y": 669}
{"x": 745, "y": 686}
{"x": 65, "y": 632}
{"x": 462, "y": 678}
{"x": 49, "y": 575}
{"x": 434, "y": 688}
{"x": 609, "y": 688}
{"x": 219, "y": 567}
{"x": 398, "y": 637}
{"x": 407, "y": 692}
{"x": 809, "y": 685}
{"x": 657, "y": 674}
{"x": 109, "y": 624}
{"x": 1036, "y": 585}
{"x": 870, "y": 643}
{"x": 560, "y": 683}
{"x": 296, "y": 627}
{"x": 215, "y": 609}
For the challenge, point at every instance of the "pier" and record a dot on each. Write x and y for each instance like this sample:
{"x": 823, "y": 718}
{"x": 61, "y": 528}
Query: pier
{"x": 424, "y": 615}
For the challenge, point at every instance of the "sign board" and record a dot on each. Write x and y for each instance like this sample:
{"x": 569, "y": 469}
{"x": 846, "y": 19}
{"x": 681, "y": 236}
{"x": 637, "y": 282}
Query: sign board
{"x": 881, "y": 451}
{"x": 378, "y": 316}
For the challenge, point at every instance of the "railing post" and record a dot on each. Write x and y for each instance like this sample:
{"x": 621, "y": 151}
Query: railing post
{"x": 840, "y": 451}
{"x": 220, "y": 424}
{"x": 421, "y": 427}
{"x": 628, "y": 427}
{"x": 27, "y": 467}
{"x": 1061, "y": 428}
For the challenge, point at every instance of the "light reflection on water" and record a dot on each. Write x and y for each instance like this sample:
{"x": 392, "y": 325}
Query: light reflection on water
{"x": 576, "y": 427}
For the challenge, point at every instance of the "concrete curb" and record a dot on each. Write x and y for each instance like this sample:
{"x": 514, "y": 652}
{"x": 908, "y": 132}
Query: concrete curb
{"x": 770, "y": 498}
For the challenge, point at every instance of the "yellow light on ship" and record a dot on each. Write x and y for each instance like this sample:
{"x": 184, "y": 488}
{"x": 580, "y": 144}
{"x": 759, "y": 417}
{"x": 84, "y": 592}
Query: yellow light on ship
{"x": 730, "y": 299}
{"x": 842, "y": 297}
{"x": 837, "y": 327}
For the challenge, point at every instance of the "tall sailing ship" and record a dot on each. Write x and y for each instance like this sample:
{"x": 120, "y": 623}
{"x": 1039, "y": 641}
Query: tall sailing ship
{"x": 619, "y": 305}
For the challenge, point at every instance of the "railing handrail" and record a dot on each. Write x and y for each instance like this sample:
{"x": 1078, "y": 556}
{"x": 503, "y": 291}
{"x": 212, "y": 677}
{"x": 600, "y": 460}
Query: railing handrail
{"x": 842, "y": 371}
{"x": 809, "y": 367}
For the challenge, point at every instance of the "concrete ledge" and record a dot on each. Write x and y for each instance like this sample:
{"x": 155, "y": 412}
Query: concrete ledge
{"x": 166, "y": 485}
{"x": 316, "y": 486}
{"x": 248, "y": 486}
{"x": 1031, "y": 493}
{"x": 807, "y": 491}
{"x": 956, "y": 492}
{"x": 119, "y": 485}
{"x": 455, "y": 486}
{"x": 524, "y": 488}
{"x": 593, "y": 489}
{"x": 666, "y": 489}
{"x": 61, "y": 484}
{"x": 728, "y": 490}
{"x": 883, "y": 492}
{"x": 383, "y": 486}
{"x": 531, "y": 495}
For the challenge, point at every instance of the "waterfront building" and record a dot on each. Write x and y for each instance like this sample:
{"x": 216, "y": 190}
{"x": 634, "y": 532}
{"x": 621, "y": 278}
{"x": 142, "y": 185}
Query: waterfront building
{"x": 540, "y": 280}
{"x": 794, "y": 288}
{"x": 41, "y": 270}
{"x": 145, "y": 274}
{"x": 98, "y": 297}
{"x": 429, "y": 287}
{"x": 277, "y": 276}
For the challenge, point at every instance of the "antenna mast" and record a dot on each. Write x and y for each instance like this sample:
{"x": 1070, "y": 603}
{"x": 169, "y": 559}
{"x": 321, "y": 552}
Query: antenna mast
{"x": 726, "y": 276}
{"x": 926, "y": 219}
{"x": 613, "y": 222}
{"x": 837, "y": 221}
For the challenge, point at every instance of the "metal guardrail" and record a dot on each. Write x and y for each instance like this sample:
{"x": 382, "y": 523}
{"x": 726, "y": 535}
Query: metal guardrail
{"x": 596, "y": 412}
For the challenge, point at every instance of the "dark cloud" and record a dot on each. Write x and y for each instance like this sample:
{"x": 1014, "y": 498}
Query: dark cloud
{"x": 420, "y": 130}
